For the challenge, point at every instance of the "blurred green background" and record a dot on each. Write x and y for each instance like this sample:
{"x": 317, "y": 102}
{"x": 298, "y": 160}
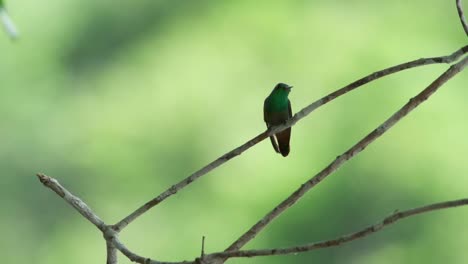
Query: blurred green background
{"x": 120, "y": 99}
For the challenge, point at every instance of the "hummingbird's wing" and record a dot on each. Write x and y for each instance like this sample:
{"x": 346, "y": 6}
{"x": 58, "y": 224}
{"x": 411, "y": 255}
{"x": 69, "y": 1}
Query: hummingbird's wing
{"x": 284, "y": 136}
{"x": 272, "y": 138}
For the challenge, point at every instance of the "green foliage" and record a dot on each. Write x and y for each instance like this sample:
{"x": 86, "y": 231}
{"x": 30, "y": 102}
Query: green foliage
{"x": 121, "y": 101}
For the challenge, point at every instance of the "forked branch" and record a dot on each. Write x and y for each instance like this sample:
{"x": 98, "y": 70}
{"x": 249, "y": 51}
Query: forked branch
{"x": 112, "y": 240}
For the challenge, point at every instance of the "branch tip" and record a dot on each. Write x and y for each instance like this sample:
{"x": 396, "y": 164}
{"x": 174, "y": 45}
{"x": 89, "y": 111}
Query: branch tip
{"x": 203, "y": 247}
{"x": 42, "y": 178}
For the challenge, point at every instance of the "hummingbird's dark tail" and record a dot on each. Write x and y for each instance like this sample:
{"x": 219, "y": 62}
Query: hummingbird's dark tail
{"x": 283, "y": 141}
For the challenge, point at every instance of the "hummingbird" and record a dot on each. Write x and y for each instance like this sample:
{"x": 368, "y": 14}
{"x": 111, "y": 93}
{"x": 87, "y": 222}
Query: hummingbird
{"x": 276, "y": 111}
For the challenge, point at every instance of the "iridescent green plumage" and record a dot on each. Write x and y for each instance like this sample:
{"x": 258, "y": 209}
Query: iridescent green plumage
{"x": 276, "y": 111}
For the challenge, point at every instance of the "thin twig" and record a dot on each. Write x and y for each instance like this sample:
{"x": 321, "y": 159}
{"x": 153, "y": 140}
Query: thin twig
{"x": 74, "y": 201}
{"x": 393, "y": 218}
{"x": 298, "y": 116}
{"x": 357, "y": 148}
{"x": 462, "y": 16}
{"x": 202, "y": 247}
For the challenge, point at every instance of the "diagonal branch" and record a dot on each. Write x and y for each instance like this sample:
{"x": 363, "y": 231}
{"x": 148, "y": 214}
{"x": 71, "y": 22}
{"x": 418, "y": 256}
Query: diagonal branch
{"x": 298, "y": 116}
{"x": 393, "y": 218}
{"x": 340, "y": 160}
{"x": 462, "y": 16}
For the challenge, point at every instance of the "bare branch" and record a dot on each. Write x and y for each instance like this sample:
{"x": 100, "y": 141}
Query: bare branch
{"x": 298, "y": 116}
{"x": 74, "y": 201}
{"x": 462, "y": 16}
{"x": 111, "y": 253}
{"x": 393, "y": 218}
{"x": 114, "y": 243}
{"x": 357, "y": 148}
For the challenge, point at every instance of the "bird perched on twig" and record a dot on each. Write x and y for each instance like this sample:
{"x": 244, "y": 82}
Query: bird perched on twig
{"x": 276, "y": 111}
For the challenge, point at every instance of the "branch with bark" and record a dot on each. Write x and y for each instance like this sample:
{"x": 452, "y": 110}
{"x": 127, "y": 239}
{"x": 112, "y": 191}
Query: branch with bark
{"x": 111, "y": 232}
{"x": 462, "y": 16}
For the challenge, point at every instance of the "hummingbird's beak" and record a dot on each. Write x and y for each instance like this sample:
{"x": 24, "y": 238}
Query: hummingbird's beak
{"x": 290, "y": 87}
